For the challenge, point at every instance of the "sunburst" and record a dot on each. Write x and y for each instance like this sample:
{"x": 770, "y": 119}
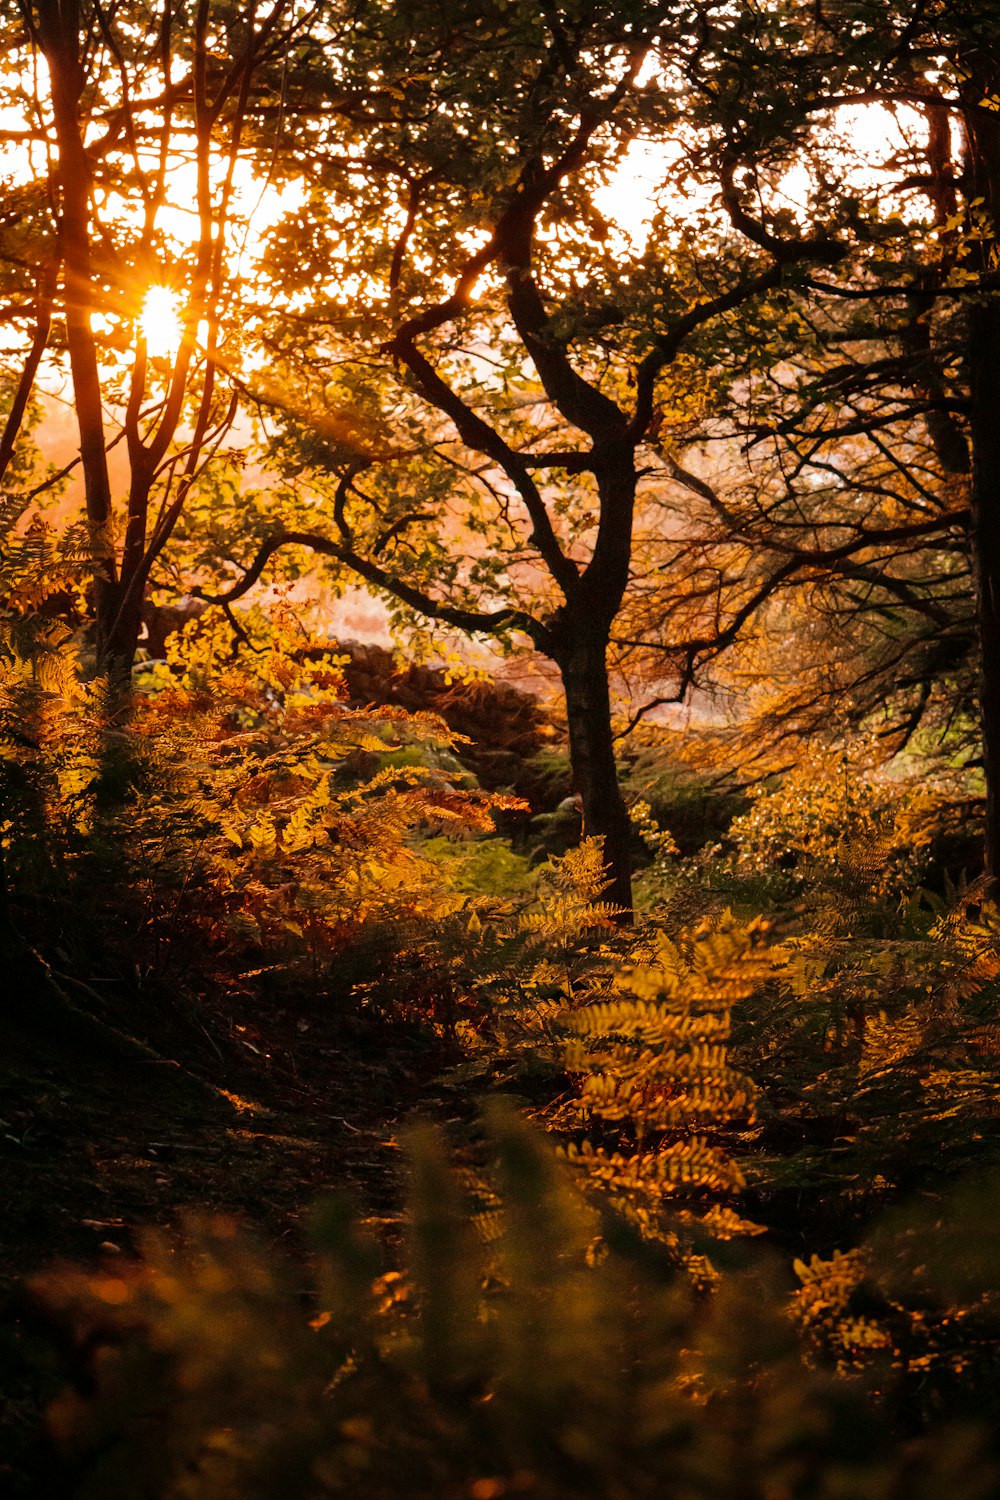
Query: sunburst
{"x": 160, "y": 321}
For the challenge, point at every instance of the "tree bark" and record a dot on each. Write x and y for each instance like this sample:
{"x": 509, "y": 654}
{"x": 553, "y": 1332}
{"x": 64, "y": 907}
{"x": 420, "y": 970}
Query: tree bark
{"x": 982, "y": 130}
{"x": 59, "y": 34}
{"x": 580, "y": 638}
{"x": 984, "y": 373}
{"x": 583, "y": 665}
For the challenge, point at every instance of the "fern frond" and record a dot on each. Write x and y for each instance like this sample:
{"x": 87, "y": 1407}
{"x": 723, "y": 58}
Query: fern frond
{"x": 655, "y": 1061}
{"x": 653, "y": 1022}
{"x": 655, "y": 1175}
{"x": 664, "y": 1104}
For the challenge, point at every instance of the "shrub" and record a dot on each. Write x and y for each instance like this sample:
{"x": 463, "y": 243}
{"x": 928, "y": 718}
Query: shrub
{"x": 240, "y": 806}
{"x": 837, "y": 812}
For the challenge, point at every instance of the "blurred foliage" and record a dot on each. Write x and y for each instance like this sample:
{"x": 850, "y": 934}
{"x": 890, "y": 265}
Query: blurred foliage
{"x": 524, "y": 1364}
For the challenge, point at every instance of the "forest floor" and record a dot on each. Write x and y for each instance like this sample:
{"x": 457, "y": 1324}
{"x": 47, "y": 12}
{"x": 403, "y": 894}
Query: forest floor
{"x": 258, "y": 1120}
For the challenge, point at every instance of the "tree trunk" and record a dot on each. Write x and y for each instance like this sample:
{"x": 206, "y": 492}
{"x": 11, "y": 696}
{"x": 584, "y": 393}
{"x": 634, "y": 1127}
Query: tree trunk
{"x": 983, "y": 168}
{"x": 120, "y": 637}
{"x": 582, "y": 663}
{"x": 59, "y": 27}
{"x": 984, "y": 372}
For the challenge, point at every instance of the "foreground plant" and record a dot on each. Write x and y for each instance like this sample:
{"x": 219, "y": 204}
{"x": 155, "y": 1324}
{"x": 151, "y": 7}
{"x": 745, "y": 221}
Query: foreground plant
{"x": 515, "y": 1364}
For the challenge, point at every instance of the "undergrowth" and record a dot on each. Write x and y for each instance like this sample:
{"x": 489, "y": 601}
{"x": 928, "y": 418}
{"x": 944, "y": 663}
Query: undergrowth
{"x": 525, "y": 1363}
{"x": 791, "y": 1048}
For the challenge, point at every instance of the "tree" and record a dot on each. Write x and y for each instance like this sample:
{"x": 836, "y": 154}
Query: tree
{"x": 884, "y": 430}
{"x": 483, "y": 383}
{"x": 137, "y": 102}
{"x": 476, "y": 359}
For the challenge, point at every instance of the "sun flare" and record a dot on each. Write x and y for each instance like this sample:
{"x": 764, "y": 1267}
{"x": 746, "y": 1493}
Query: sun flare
{"x": 160, "y": 321}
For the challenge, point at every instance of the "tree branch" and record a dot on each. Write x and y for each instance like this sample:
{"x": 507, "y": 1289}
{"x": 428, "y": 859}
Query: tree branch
{"x": 496, "y": 622}
{"x": 668, "y": 344}
{"x": 484, "y": 439}
{"x": 40, "y": 337}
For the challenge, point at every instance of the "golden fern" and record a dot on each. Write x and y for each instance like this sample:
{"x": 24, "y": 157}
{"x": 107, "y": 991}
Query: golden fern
{"x": 654, "y": 1062}
{"x": 655, "y": 1175}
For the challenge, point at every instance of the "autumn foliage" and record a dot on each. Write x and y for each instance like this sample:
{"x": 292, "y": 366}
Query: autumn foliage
{"x": 553, "y": 1052}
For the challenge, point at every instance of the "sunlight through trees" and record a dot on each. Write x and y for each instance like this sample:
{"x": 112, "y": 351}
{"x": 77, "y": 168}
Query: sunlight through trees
{"x": 634, "y": 370}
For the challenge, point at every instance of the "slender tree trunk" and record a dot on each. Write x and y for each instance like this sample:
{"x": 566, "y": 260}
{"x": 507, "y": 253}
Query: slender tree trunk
{"x": 122, "y": 632}
{"x": 582, "y": 663}
{"x": 59, "y": 33}
{"x": 984, "y": 371}
{"x": 121, "y": 640}
{"x": 983, "y": 165}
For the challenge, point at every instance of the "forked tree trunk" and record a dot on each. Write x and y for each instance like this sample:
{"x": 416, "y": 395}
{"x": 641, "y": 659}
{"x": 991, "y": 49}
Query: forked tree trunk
{"x": 583, "y": 665}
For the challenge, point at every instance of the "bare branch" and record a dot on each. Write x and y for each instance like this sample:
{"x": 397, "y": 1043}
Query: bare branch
{"x": 40, "y": 337}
